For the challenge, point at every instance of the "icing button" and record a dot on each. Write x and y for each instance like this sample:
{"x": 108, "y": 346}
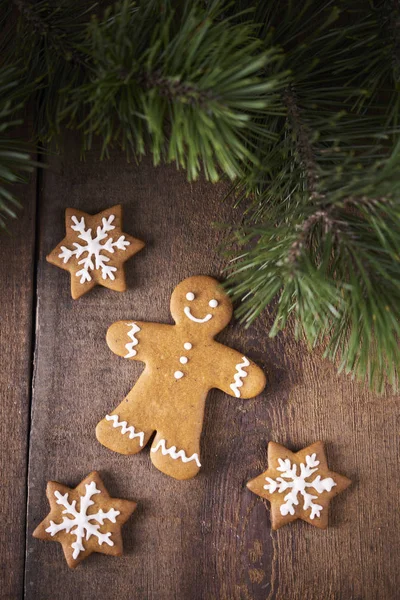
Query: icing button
{"x": 178, "y": 374}
{"x": 187, "y": 346}
{"x": 183, "y": 360}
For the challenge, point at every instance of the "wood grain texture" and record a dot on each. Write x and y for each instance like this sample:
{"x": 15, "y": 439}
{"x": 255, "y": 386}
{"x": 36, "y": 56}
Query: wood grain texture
{"x": 207, "y": 538}
{"x": 16, "y": 298}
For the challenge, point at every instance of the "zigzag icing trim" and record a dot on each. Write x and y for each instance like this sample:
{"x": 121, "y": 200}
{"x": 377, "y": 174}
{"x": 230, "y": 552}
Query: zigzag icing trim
{"x": 131, "y": 334}
{"x": 238, "y": 376}
{"x": 174, "y": 454}
{"x": 125, "y": 429}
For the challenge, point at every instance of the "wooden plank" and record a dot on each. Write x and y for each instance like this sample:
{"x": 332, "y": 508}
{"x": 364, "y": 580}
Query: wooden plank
{"x": 16, "y": 298}
{"x": 356, "y": 556}
{"x": 206, "y": 538}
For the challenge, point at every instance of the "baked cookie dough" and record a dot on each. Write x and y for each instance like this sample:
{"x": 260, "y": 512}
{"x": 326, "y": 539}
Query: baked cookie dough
{"x": 84, "y": 519}
{"x": 298, "y": 485}
{"x": 94, "y": 250}
{"x": 183, "y": 363}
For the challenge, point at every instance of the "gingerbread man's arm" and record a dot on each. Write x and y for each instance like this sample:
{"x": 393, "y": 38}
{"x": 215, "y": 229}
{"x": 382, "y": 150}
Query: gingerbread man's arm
{"x": 236, "y": 374}
{"x": 133, "y": 339}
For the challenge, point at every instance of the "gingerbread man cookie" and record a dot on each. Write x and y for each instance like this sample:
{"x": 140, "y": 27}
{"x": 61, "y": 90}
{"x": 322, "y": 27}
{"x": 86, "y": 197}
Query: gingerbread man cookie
{"x": 78, "y": 522}
{"x": 94, "y": 250}
{"x": 298, "y": 485}
{"x": 183, "y": 363}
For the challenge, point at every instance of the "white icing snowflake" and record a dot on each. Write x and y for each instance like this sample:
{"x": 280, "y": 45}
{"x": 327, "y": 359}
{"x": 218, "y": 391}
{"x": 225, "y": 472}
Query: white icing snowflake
{"x": 80, "y": 522}
{"x": 298, "y": 484}
{"x": 94, "y": 259}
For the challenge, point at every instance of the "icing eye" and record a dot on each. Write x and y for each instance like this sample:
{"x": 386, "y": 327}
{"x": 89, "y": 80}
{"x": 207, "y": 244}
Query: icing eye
{"x": 190, "y": 296}
{"x": 213, "y": 303}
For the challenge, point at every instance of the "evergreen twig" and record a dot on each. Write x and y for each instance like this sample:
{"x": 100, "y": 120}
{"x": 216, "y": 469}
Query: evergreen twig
{"x": 296, "y": 102}
{"x": 15, "y": 160}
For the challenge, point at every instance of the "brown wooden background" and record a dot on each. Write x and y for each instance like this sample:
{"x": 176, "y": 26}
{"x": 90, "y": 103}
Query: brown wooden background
{"x": 207, "y": 538}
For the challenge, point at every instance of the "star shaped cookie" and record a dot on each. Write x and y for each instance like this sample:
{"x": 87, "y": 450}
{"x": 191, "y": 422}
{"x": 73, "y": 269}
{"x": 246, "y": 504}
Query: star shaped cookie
{"x": 84, "y": 519}
{"x": 94, "y": 250}
{"x": 298, "y": 485}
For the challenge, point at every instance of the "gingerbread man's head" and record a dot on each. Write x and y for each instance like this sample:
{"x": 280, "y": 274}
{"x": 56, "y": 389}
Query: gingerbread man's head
{"x": 200, "y": 304}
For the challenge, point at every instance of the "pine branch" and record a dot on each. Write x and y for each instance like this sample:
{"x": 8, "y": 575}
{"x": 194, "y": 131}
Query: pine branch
{"x": 172, "y": 90}
{"x": 188, "y": 88}
{"x": 45, "y": 46}
{"x": 303, "y": 144}
{"x": 15, "y": 160}
{"x": 297, "y": 103}
{"x": 392, "y": 7}
{"x": 321, "y": 240}
{"x": 185, "y": 89}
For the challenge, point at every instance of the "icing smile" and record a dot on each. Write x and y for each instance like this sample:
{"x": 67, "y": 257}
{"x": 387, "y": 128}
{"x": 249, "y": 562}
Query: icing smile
{"x": 195, "y": 319}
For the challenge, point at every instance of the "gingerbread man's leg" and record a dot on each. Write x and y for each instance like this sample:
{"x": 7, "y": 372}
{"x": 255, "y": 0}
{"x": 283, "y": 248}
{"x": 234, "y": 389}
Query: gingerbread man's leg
{"x": 127, "y": 429}
{"x": 177, "y": 454}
